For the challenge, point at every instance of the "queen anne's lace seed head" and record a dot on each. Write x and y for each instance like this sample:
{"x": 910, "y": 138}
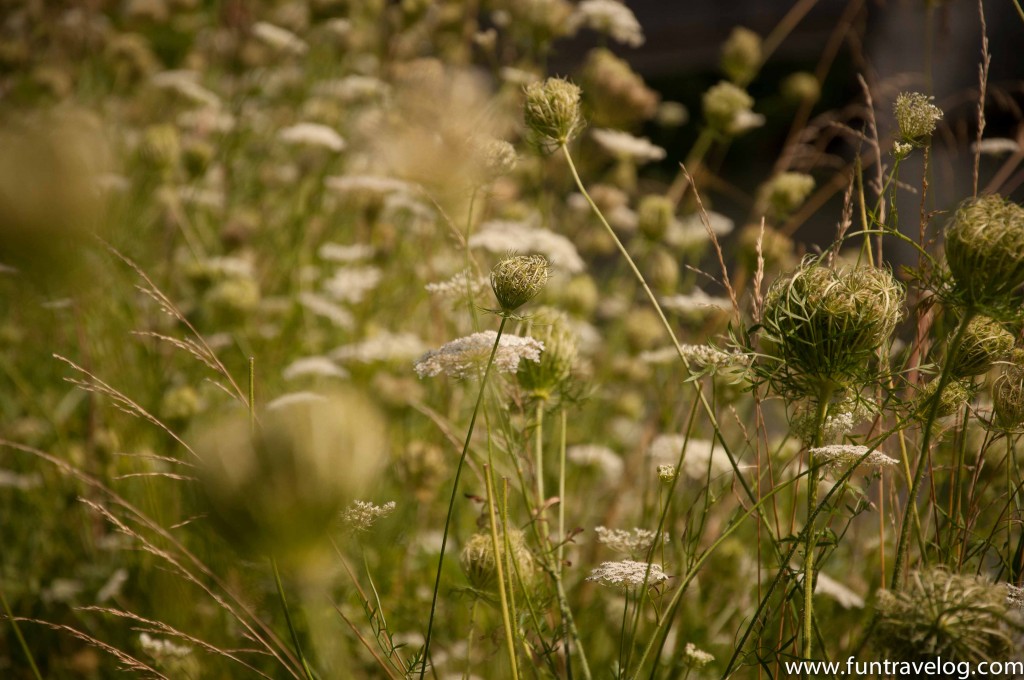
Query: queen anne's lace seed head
{"x": 1008, "y": 392}
{"x": 985, "y": 251}
{"x": 842, "y": 456}
{"x": 552, "y": 111}
{"x": 467, "y": 356}
{"x": 628, "y": 575}
{"x": 985, "y": 341}
{"x": 517, "y": 279}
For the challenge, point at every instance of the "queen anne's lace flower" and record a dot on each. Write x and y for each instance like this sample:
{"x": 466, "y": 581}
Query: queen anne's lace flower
{"x": 623, "y": 144}
{"x": 696, "y": 658}
{"x": 628, "y": 574}
{"x": 314, "y": 366}
{"x": 362, "y": 515}
{"x": 611, "y": 18}
{"x": 312, "y": 134}
{"x": 464, "y": 283}
{"x": 499, "y": 236}
{"x": 595, "y": 455}
{"x": 839, "y": 456}
{"x": 465, "y": 356}
{"x": 383, "y": 346}
{"x": 633, "y": 542}
{"x": 279, "y": 38}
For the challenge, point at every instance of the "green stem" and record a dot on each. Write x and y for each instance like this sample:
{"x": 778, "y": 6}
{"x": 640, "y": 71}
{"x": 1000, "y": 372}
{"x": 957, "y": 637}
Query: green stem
{"x": 812, "y": 503}
{"x": 451, "y": 501}
{"x": 500, "y": 572}
{"x": 561, "y": 490}
{"x": 933, "y": 410}
{"x": 288, "y": 619}
{"x": 538, "y": 462}
{"x": 21, "y": 638}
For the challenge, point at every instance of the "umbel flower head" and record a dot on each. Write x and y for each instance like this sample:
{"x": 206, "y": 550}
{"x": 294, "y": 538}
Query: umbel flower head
{"x": 1008, "y": 392}
{"x": 985, "y": 341}
{"x": 543, "y": 378}
{"x": 940, "y": 614}
{"x": 954, "y": 397}
{"x": 517, "y": 279}
{"x": 985, "y": 251}
{"x": 727, "y": 109}
{"x": 787, "y": 191}
{"x": 916, "y": 116}
{"x": 552, "y": 112}
{"x": 820, "y": 327}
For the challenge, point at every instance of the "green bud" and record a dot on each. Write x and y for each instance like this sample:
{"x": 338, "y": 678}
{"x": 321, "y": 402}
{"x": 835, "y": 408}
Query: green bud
{"x": 517, "y": 279}
{"x": 985, "y": 250}
{"x": 741, "y": 55}
{"x": 985, "y": 341}
{"x": 552, "y": 111}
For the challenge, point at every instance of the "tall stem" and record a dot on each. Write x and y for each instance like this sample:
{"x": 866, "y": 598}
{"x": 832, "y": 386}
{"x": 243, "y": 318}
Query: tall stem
{"x": 499, "y": 550}
{"x": 812, "y": 502}
{"x": 926, "y": 440}
{"x": 455, "y": 490}
{"x": 561, "y": 490}
{"x": 538, "y": 462}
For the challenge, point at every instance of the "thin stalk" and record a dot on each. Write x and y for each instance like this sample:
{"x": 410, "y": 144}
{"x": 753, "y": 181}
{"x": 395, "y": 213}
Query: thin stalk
{"x": 933, "y": 410}
{"x": 812, "y": 503}
{"x": 538, "y": 462}
{"x": 561, "y": 490}
{"x": 451, "y": 501}
{"x": 21, "y": 638}
{"x": 288, "y": 619}
{"x": 469, "y": 639}
{"x": 500, "y": 572}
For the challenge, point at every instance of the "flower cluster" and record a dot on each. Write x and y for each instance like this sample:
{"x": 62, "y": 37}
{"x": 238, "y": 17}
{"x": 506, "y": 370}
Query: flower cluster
{"x": 466, "y": 357}
{"x": 628, "y": 574}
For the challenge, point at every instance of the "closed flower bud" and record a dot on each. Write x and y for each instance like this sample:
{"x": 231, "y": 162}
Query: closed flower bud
{"x": 725, "y": 105}
{"x": 801, "y": 87}
{"x": 1008, "y": 392}
{"x": 985, "y": 250}
{"x": 552, "y": 111}
{"x": 787, "y": 191}
{"x": 654, "y": 215}
{"x": 741, "y": 55}
{"x": 478, "y": 563}
{"x": 517, "y": 279}
{"x": 954, "y": 397}
{"x": 916, "y": 116}
{"x": 985, "y": 341}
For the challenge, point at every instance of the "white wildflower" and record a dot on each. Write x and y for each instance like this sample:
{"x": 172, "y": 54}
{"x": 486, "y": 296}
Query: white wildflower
{"x": 744, "y": 121}
{"x": 353, "y": 88}
{"x": 321, "y": 306}
{"x": 841, "y": 456}
{"x": 362, "y": 515}
{"x": 312, "y": 134}
{"x": 384, "y": 346}
{"x": 624, "y": 145}
{"x": 517, "y": 76}
{"x": 697, "y": 303}
{"x": 499, "y": 236}
{"x": 467, "y": 356}
{"x": 901, "y": 150}
{"x": 996, "y": 146}
{"x": 113, "y": 586}
{"x": 162, "y": 649}
{"x": 293, "y": 398}
{"x": 628, "y": 574}
{"x": 689, "y": 232}
{"x": 595, "y": 455}
{"x": 463, "y": 283}
{"x": 206, "y": 120}
{"x": 279, "y": 38}
{"x": 351, "y": 284}
{"x": 186, "y": 84}
{"x": 13, "y": 480}
{"x": 336, "y": 252}
{"x": 632, "y": 542}
{"x": 612, "y": 18}
{"x": 313, "y": 366}
{"x": 829, "y": 587}
{"x": 667, "y": 473}
{"x": 368, "y": 185}
{"x": 696, "y": 658}
{"x": 700, "y": 453}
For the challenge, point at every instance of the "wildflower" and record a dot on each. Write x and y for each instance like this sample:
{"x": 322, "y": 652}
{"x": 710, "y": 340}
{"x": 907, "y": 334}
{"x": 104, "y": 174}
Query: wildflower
{"x": 741, "y": 55}
{"x": 916, "y": 116}
{"x": 787, "y": 191}
{"x": 618, "y": 95}
{"x": 801, "y": 87}
{"x": 611, "y": 18}
{"x": 595, "y": 455}
{"x": 384, "y": 346}
{"x": 162, "y": 649}
{"x": 353, "y": 88}
{"x": 701, "y": 357}
{"x": 633, "y": 542}
{"x": 842, "y": 456}
{"x": 727, "y": 108}
{"x": 901, "y": 150}
{"x": 624, "y": 145}
{"x": 697, "y": 303}
{"x": 312, "y": 134}
{"x": 336, "y": 252}
{"x": 362, "y": 515}
{"x": 499, "y": 157}
{"x": 552, "y": 111}
{"x": 1008, "y": 392}
{"x": 467, "y": 356}
{"x": 1014, "y": 596}
{"x": 351, "y": 284}
{"x": 367, "y": 185}
{"x": 985, "y": 250}
{"x": 702, "y": 456}
{"x": 313, "y": 366}
{"x": 321, "y": 306}
{"x": 694, "y": 658}
{"x": 500, "y": 236}
{"x": 940, "y": 614}
{"x": 517, "y": 279}
{"x": 667, "y": 473}
{"x": 654, "y": 215}
{"x": 462, "y": 284}
{"x": 279, "y": 38}
{"x": 186, "y": 84}
{"x": 829, "y": 587}
{"x": 181, "y": 403}
{"x": 984, "y": 342}
{"x": 689, "y": 233}
{"x": 821, "y": 327}
{"x": 478, "y": 563}
{"x": 628, "y": 575}
{"x": 543, "y": 378}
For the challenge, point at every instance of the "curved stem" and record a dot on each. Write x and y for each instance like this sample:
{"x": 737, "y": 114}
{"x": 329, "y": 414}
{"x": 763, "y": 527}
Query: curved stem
{"x": 288, "y": 619}
{"x": 451, "y": 501}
